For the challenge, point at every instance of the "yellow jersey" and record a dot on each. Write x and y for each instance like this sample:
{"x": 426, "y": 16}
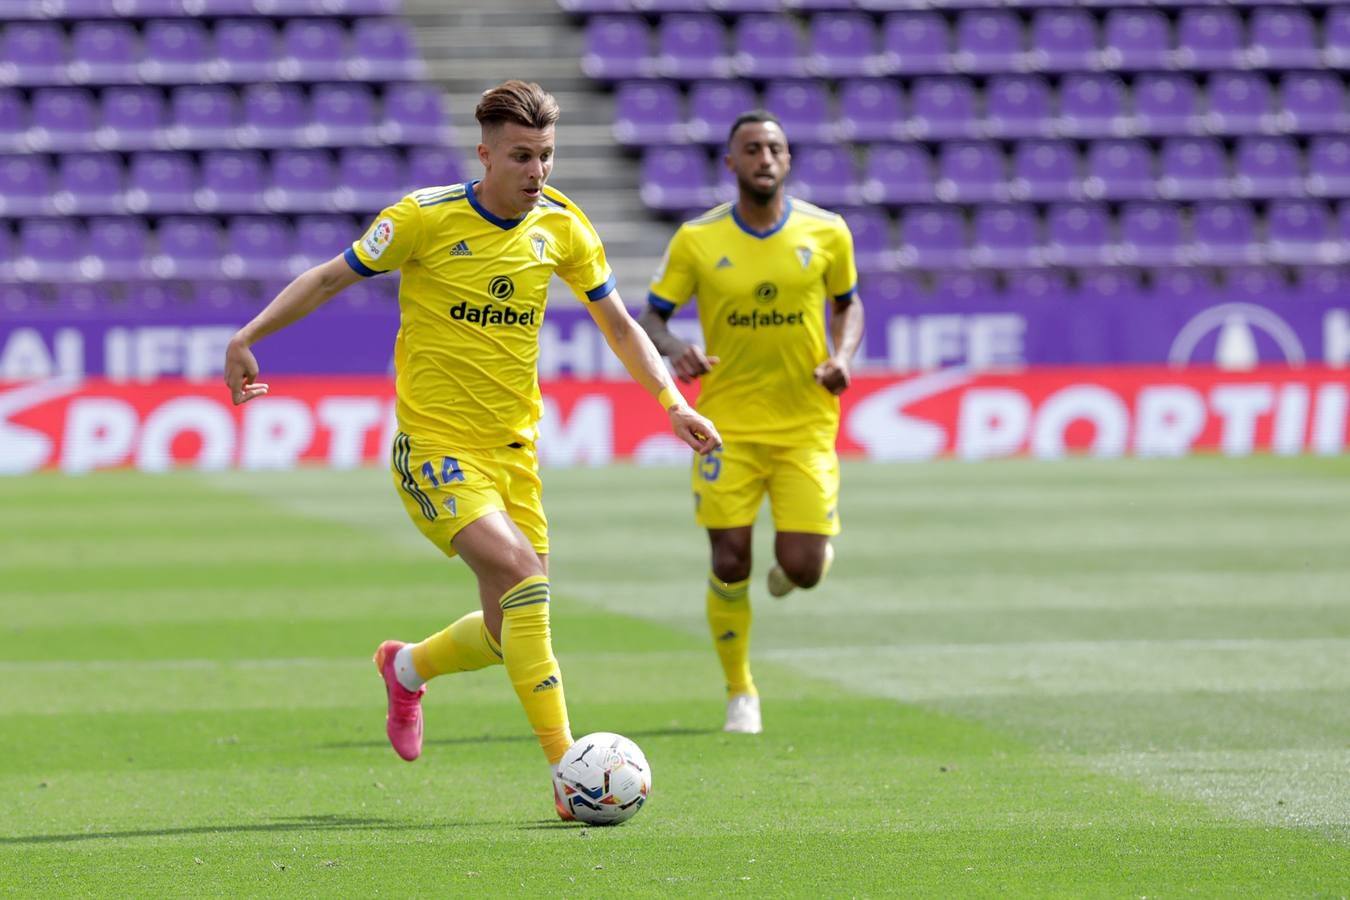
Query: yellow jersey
{"x": 761, "y": 302}
{"x": 470, "y": 304}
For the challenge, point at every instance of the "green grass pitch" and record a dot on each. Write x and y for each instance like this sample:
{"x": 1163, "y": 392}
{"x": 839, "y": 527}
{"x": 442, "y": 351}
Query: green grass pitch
{"x": 1114, "y": 679}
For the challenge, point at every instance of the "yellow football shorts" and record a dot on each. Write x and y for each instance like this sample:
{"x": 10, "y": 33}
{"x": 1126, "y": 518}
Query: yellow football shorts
{"x": 802, "y": 483}
{"x": 445, "y": 490}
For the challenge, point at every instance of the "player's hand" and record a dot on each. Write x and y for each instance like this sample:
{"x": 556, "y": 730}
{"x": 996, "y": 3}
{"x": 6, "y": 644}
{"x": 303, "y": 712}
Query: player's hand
{"x": 833, "y": 375}
{"x": 695, "y": 430}
{"x": 692, "y": 363}
{"x": 241, "y": 368}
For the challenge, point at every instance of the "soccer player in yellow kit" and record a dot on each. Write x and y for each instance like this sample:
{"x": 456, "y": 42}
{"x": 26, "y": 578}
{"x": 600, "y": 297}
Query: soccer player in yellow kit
{"x": 476, "y": 261}
{"x": 763, "y": 269}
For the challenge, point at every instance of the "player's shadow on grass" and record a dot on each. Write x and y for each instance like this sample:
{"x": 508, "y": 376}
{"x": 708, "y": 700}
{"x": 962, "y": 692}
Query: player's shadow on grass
{"x": 636, "y": 735}
{"x": 290, "y": 823}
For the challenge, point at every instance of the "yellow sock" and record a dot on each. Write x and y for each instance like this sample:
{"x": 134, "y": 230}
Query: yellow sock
{"x": 729, "y": 620}
{"x": 463, "y": 647}
{"x": 534, "y": 673}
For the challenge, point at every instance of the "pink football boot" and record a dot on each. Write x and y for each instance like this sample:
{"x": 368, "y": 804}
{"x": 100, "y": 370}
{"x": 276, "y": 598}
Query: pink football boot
{"x": 403, "y": 723}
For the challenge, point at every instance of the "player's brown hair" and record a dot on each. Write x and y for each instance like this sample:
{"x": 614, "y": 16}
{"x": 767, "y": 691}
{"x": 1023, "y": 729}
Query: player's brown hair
{"x": 522, "y": 102}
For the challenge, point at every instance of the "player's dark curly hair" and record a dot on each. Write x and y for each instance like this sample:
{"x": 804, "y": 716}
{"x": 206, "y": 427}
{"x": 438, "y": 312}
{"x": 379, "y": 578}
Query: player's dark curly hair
{"x": 522, "y": 102}
{"x": 753, "y": 116}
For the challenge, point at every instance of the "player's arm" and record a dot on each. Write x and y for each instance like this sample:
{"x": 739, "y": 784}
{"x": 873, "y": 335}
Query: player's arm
{"x": 846, "y": 331}
{"x": 298, "y": 299}
{"x": 639, "y": 356}
{"x": 688, "y": 359}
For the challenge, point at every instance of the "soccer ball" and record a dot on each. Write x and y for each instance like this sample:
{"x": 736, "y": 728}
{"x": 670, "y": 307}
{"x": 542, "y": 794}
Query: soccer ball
{"x": 603, "y": 779}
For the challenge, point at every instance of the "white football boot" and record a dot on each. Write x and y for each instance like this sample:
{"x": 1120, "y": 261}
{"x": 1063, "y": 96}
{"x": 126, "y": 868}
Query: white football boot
{"x": 743, "y": 715}
{"x": 780, "y": 585}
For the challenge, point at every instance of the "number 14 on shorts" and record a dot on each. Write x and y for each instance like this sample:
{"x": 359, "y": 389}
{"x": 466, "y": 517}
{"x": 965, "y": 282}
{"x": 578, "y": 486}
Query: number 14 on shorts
{"x": 450, "y": 471}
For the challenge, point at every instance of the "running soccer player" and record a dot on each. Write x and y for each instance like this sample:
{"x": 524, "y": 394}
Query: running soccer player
{"x": 476, "y": 261}
{"x": 762, "y": 268}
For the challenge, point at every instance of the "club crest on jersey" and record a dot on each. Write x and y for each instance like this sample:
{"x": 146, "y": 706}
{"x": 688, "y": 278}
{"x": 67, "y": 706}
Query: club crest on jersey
{"x": 449, "y": 504}
{"x": 540, "y": 244}
{"x": 377, "y": 239}
{"x": 804, "y": 256}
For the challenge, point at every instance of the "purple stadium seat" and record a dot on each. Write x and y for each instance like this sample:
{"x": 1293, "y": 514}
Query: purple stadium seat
{"x": 320, "y": 238}
{"x": 343, "y": 114}
{"x": 63, "y": 119}
{"x": 1096, "y": 284}
{"x": 161, "y": 182}
{"x": 803, "y": 107}
{"x": 1038, "y": 284}
{"x": 714, "y": 105}
{"x": 675, "y": 179}
{"x": 1267, "y": 167}
{"x": 232, "y": 181}
{"x": 1045, "y": 171}
{"x": 1209, "y": 37}
{"x": 1078, "y": 234}
{"x": 1223, "y": 232}
{"x": 592, "y": 7}
{"x": 1092, "y": 105}
{"x": 433, "y": 167}
{"x": 1119, "y": 170}
{"x": 104, "y": 52}
{"x": 258, "y": 247}
{"x": 915, "y": 43}
{"x": 1282, "y": 38}
{"x": 1063, "y": 40}
{"x": 189, "y": 247}
{"x": 1239, "y": 103}
{"x": 248, "y": 49}
{"x": 13, "y": 120}
{"x": 132, "y": 118}
{"x": 870, "y": 110}
{"x": 648, "y": 112}
{"x": 1313, "y": 101}
{"x": 971, "y": 171}
{"x": 313, "y": 50}
{"x": 943, "y": 107}
{"x": 1136, "y": 39}
{"x": 844, "y": 44}
{"x": 962, "y": 286}
{"x": 1336, "y": 38}
{"x": 1252, "y": 283}
{"x": 768, "y": 46}
{"x": 1150, "y": 234}
{"x": 898, "y": 173}
{"x": 1006, "y": 235}
{"x": 616, "y": 47}
{"x": 1193, "y": 168}
{"x": 872, "y": 245}
{"x": 692, "y": 45}
{"x": 274, "y": 115}
{"x": 368, "y": 180}
{"x": 32, "y": 53}
{"x": 383, "y": 49}
{"x": 1331, "y": 282}
{"x": 52, "y": 250}
{"x": 933, "y": 237}
{"x": 175, "y": 51}
{"x": 203, "y": 116}
{"x": 414, "y": 113}
{"x": 988, "y": 41}
{"x": 825, "y": 176}
{"x": 1329, "y": 166}
{"x": 301, "y": 180}
{"x": 122, "y": 245}
{"x": 1299, "y": 232}
{"x": 1018, "y": 106}
{"x": 1166, "y": 104}
{"x": 25, "y": 186}
{"x": 89, "y": 184}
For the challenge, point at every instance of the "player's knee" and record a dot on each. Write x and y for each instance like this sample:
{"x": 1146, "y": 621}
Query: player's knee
{"x": 804, "y": 571}
{"x": 730, "y": 565}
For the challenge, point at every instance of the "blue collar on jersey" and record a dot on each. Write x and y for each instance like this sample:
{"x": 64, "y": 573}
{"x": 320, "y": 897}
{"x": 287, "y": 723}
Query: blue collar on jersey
{"x": 504, "y": 224}
{"x": 740, "y": 223}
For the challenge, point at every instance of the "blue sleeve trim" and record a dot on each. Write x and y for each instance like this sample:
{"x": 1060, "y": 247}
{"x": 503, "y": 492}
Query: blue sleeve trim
{"x": 604, "y": 290}
{"x": 847, "y": 296}
{"x": 359, "y": 267}
{"x": 661, "y": 304}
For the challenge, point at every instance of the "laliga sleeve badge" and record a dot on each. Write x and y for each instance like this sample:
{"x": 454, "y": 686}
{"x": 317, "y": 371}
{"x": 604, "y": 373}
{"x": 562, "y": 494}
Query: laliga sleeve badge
{"x": 377, "y": 239}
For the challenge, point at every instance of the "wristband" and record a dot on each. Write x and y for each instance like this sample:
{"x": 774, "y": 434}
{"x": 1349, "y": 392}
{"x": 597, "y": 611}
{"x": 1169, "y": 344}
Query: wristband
{"x": 669, "y": 397}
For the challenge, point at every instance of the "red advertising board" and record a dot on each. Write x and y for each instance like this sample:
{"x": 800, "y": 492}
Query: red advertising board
{"x": 83, "y": 425}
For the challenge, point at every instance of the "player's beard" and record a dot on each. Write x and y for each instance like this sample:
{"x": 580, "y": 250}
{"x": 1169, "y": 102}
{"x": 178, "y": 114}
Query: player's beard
{"x": 756, "y": 192}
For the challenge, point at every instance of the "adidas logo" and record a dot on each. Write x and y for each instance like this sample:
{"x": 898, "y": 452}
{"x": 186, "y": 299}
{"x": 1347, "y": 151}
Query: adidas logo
{"x": 547, "y": 684}
{"x": 723, "y": 263}
{"x": 728, "y": 636}
{"x": 461, "y": 249}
